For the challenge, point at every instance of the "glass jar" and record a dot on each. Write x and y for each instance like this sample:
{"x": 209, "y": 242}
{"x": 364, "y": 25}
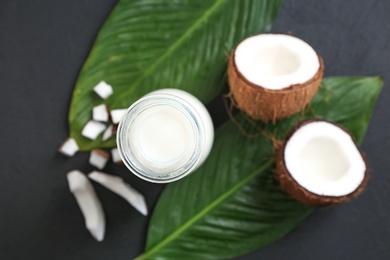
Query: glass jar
{"x": 165, "y": 135}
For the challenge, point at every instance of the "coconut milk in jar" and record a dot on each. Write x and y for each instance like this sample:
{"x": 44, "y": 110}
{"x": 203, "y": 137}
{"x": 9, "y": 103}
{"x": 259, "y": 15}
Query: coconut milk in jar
{"x": 165, "y": 135}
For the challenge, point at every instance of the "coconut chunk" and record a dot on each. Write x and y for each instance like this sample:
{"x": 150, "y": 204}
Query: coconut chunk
{"x": 103, "y": 89}
{"x": 108, "y": 133}
{"x": 117, "y": 114}
{"x": 93, "y": 129}
{"x": 320, "y": 164}
{"x": 120, "y": 187}
{"x": 116, "y": 158}
{"x": 89, "y": 203}
{"x": 69, "y": 147}
{"x": 98, "y": 158}
{"x": 100, "y": 113}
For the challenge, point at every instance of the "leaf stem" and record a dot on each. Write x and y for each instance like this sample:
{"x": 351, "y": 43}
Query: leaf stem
{"x": 206, "y": 210}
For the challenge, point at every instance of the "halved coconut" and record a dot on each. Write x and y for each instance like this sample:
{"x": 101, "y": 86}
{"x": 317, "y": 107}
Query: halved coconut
{"x": 273, "y": 76}
{"x": 103, "y": 89}
{"x": 320, "y": 164}
{"x": 98, "y": 158}
{"x": 89, "y": 203}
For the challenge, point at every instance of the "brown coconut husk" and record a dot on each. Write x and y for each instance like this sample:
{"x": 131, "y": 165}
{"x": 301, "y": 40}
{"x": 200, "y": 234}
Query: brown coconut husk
{"x": 289, "y": 185}
{"x": 266, "y": 104}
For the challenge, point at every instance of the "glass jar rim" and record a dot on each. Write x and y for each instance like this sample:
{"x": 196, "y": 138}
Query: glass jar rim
{"x": 146, "y": 102}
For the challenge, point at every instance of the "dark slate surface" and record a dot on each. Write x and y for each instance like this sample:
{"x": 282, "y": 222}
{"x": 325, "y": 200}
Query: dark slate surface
{"x": 42, "y": 47}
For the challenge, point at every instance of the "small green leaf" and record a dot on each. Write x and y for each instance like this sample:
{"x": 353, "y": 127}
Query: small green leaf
{"x": 150, "y": 44}
{"x": 232, "y": 205}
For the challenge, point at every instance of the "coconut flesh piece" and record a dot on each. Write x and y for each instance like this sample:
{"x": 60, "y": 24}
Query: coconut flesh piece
{"x": 98, "y": 158}
{"x": 103, "y": 89}
{"x": 116, "y": 115}
{"x": 120, "y": 187}
{"x": 69, "y": 147}
{"x": 100, "y": 113}
{"x": 108, "y": 133}
{"x": 93, "y": 129}
{"x": 88, "y": 202}
{"x": 116, "y": 158}
{"x": 273, "y": 76}
{"x": 324, "y": 160}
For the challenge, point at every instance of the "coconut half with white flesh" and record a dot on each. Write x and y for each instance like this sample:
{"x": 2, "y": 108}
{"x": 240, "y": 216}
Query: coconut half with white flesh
{"x": 273, "y": 76}
{"x": 320, "y": 164}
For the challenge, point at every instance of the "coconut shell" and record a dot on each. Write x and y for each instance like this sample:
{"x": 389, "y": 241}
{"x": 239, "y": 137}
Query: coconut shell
{"x": 267, "y": 104}
{"x": 289, "y": 185}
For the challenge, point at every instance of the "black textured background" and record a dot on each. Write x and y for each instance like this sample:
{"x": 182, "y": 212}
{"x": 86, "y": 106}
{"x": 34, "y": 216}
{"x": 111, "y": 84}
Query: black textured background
{"x": 42, "y": 47}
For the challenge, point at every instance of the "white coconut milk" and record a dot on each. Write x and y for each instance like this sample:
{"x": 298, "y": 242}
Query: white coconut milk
{"x": 165, "y": 135}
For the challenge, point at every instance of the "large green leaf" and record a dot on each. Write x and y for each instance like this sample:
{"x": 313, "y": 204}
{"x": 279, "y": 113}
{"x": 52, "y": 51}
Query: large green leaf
{"x": 232, "y": 205}
{"x": 150, "y": 44}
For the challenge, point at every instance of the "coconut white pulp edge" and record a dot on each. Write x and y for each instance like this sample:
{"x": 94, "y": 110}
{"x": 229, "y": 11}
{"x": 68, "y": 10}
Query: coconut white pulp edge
{"x": 89, "y": 203}
{"x": 276, "y": 61}
{"x": 323, "y": 159}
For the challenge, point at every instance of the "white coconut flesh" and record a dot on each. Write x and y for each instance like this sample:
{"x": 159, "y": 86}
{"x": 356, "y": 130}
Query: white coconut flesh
{"x": 117, "y": 114}
{"x": 120, "y": 187}
{"x": 93, "y": 129}
{"x": 108, "y": 133}
{"x": 116, "y": 158}
{"x": 323, "y": 159}
{"x": 103, "y": 90}
{"x": 276, "y": 61}
{"x": 98, "y": 158}
{"x": 88, "y": 202}
{"x": 69, "y": 147}
{"x": 100, "y": 113}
